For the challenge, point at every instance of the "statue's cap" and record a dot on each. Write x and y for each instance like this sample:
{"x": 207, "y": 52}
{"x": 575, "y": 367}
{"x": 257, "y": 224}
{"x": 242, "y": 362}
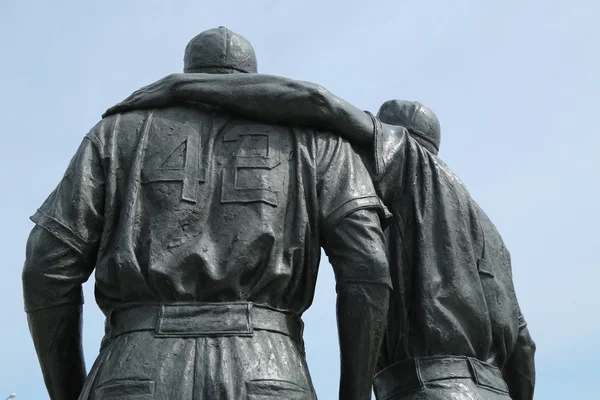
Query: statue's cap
{"x": 219, "y": 48}
{"x": 414, "y": 116}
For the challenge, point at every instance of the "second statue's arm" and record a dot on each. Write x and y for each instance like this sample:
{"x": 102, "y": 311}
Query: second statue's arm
{"x": 266, "y": 97}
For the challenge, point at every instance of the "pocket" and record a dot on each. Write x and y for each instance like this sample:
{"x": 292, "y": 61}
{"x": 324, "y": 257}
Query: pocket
{"x": 125, "y": 389}
{"x": 268, "y": 389}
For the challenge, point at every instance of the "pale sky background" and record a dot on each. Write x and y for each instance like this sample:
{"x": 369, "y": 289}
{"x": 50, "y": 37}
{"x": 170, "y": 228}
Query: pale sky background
{"x": 514, "y": 83}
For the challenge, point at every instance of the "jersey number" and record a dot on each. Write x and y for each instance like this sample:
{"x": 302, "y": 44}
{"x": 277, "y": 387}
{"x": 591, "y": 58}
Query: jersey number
{"x": 183, "y": 164}
{"x": 250, "y": 178}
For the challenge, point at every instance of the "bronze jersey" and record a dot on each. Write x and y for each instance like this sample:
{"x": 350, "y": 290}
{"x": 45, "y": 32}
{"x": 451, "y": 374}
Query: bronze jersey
{"x": 188, "y": 204}
{"x": 453, "y": 288}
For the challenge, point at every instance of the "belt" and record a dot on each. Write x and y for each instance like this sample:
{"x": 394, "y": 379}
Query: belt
{"x": 414, "y": 373}
{"x": 201, "y": 320}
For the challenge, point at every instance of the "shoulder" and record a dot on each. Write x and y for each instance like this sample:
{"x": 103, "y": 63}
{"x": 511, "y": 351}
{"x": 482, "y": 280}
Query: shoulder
{"x": 446, "y": 171}
{"x": 107, "y": 126}
{"x": 131, "y": 123}
{"x": 333, "y": 148}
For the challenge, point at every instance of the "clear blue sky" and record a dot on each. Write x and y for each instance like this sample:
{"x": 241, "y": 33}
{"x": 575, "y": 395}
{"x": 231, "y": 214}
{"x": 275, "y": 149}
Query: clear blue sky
{"x": 514, "y": 83}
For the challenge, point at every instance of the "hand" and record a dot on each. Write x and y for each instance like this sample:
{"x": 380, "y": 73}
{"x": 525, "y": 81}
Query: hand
{"x": 159, "y": 94}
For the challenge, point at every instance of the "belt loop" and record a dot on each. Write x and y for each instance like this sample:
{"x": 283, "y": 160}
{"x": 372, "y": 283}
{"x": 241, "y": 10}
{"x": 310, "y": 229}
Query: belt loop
{"x": 161, "y": 313}
{"x": 110, "y": 323}
{"x": 417, "y": 367}
{"x": 300, "y": 333}
{"x": 108, "y": 330}
{"x": 473, "y": 371}
{"x": 249, "y": 306}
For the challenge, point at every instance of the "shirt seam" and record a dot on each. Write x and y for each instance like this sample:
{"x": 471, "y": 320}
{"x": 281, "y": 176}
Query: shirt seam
{"x": 61, "y": 231}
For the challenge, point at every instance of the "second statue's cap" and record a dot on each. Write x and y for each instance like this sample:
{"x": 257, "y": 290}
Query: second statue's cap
{"x": 414, "y": 116}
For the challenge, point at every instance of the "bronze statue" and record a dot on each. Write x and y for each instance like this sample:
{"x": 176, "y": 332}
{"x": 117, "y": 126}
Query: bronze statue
{"x": 204, "y": 231}
{"x": 455, "y": 328}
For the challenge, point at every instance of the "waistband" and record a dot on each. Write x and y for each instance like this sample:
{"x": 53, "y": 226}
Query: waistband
{"x": 202, "y": 320}
{"x": 414, "y": 373}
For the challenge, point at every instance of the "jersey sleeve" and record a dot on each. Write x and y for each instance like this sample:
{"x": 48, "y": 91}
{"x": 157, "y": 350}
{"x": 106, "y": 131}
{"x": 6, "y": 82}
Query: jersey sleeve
{"x": 344, "y": 184}
{"x": 73, "y": 212}
{"x": 351, "y": 215}
{"x": 62, "y": 248}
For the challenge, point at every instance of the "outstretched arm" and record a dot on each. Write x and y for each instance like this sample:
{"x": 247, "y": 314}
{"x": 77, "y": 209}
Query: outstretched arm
{"x": 257, "y": 96}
